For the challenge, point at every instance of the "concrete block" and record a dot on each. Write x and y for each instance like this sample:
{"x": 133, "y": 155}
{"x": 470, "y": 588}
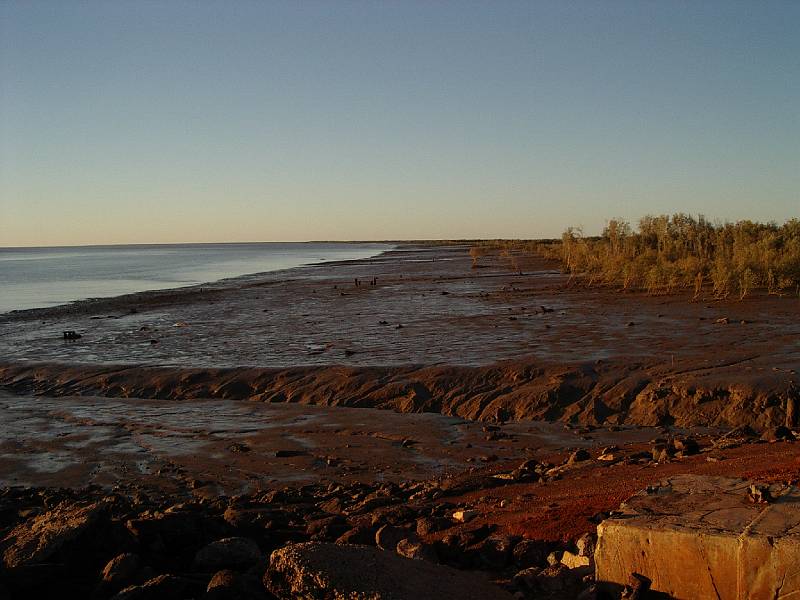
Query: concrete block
{"x": 703, "y": 537}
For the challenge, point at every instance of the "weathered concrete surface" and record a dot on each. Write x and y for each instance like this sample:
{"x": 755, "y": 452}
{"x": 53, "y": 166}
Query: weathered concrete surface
{"x": 335, "y": 572}
{"x": 703, "y": 537}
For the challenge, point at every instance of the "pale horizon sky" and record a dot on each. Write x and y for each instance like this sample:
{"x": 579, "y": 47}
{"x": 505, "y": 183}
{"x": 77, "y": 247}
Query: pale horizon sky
{"x": 162, "y": 122}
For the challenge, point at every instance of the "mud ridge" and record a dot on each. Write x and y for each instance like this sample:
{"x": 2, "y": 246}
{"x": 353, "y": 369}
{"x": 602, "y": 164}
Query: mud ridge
{"x": 597, "y": 393}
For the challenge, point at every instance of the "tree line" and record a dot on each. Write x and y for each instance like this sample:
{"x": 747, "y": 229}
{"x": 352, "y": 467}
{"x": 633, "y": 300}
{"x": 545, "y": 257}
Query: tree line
{"x": 666, "y": 254}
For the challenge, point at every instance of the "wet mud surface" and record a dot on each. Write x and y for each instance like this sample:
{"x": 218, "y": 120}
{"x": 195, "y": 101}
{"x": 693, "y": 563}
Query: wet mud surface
{"x": 425, "y": 332}
{"x": 233, "y": 447}
{"x": 427, "y": 307}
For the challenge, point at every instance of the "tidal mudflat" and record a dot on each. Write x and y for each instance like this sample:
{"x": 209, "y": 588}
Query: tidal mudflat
{"x": 477, "y": 419}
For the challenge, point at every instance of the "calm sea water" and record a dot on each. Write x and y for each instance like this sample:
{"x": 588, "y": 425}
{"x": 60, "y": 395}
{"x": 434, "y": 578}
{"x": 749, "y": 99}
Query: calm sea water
{"x": 40, "y": 277}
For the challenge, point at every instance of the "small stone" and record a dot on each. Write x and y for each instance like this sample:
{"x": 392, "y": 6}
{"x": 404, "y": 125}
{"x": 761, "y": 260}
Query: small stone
{"x": 462, "y": 516}
{"x": 578, "y": 456}
{"x": 228, "y": 553}
{"x": 687, "y": 446}
{"x": 416, "y": 550}
{"x": 238, "y": 447}
{"x": 121, "y": 570}
{"x": 585, "y": 545}
{"x": 574, "y": 561}
{"x": 229, "y": 585}
{"x": 329, "y": 528}
{"x": 225, "y": 578}
{"x": 362, "y": 535}
{"x": 526, "y": 579}
{"x": 530, "y": 553}
{"x": 162, "y": 586}
{"x": 388, "y": 536}
{"x": 428, "y": 525}
{"x": 779, "y": 433}
{"x": 495, "y": 552}
{"x": 760, "y": 494}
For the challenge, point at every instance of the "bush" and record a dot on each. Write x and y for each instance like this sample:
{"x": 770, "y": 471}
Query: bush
{"x": 667, "y": 254}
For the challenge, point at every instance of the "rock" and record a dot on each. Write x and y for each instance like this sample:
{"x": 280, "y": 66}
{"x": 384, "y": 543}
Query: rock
{"x": 700, "y": 537}
{"x": 370, "y": 503}
{"x": 163, "y": 587}
{"x": 229, "y": 585}
{"x": 392, "y": 515}
{"x": 585, "y": 545}
{"x": 224, "y": 578}
{"x": 556, "y": 579}
{"x": 39, "y": 538}
{"x": 175, "y": 530}
{"x": 474, "y": 536}
{"x": 686, "y": 447}
{"x": 363, "y": 535}
{"x": 427, "y": 525}
{"x": 315, "y": 570}
{"x": 530, "y": 553}
{"x": 332, "y": 506}
{"x": 387, "y": 537}
{"x": 777, "y": 434}
{"x": 248, "y": 520}
{"x": 526, "y": 579}
{"x": 228, "y": 553}
{"x": 416, "y": 550}
{"x": 462, "y": 516}
{"x": 575, "y": 561}
{"x": 661, "y": 452}
{"x": 760, "y": 494}
{"x": 637, "y": 588}
{"x": 122, "y": 570}
{"x": 327, "y": 529}
{"x": 578, "y": 456}
{"x": 495, "y": 552}
{"x": 640, "y": 457}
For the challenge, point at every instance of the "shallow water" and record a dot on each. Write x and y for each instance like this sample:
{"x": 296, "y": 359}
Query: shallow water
{"x": 41, "y": 277}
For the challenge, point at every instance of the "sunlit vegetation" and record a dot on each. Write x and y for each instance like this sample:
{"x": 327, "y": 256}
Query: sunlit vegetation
{"x": 665, "y": 255}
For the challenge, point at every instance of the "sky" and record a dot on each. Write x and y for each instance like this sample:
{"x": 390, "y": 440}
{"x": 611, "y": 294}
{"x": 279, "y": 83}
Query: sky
{"x": 160, "y": 122}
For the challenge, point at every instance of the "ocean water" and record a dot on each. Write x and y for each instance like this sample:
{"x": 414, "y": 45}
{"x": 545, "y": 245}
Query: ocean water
{"x": 41, "y": 277}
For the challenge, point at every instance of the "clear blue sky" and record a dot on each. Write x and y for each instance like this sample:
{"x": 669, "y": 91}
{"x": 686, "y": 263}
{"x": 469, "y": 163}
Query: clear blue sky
{"x": 229, "y": 121}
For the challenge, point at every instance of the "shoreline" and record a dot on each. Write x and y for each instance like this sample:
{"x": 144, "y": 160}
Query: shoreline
{"x": 81, "y": 304}
{"x": 433, "y": 335}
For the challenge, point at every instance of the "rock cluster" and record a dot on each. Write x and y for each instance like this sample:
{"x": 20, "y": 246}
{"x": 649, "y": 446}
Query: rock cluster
{"x": 139, "y": 543}
{"x": 131, "y": 544}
